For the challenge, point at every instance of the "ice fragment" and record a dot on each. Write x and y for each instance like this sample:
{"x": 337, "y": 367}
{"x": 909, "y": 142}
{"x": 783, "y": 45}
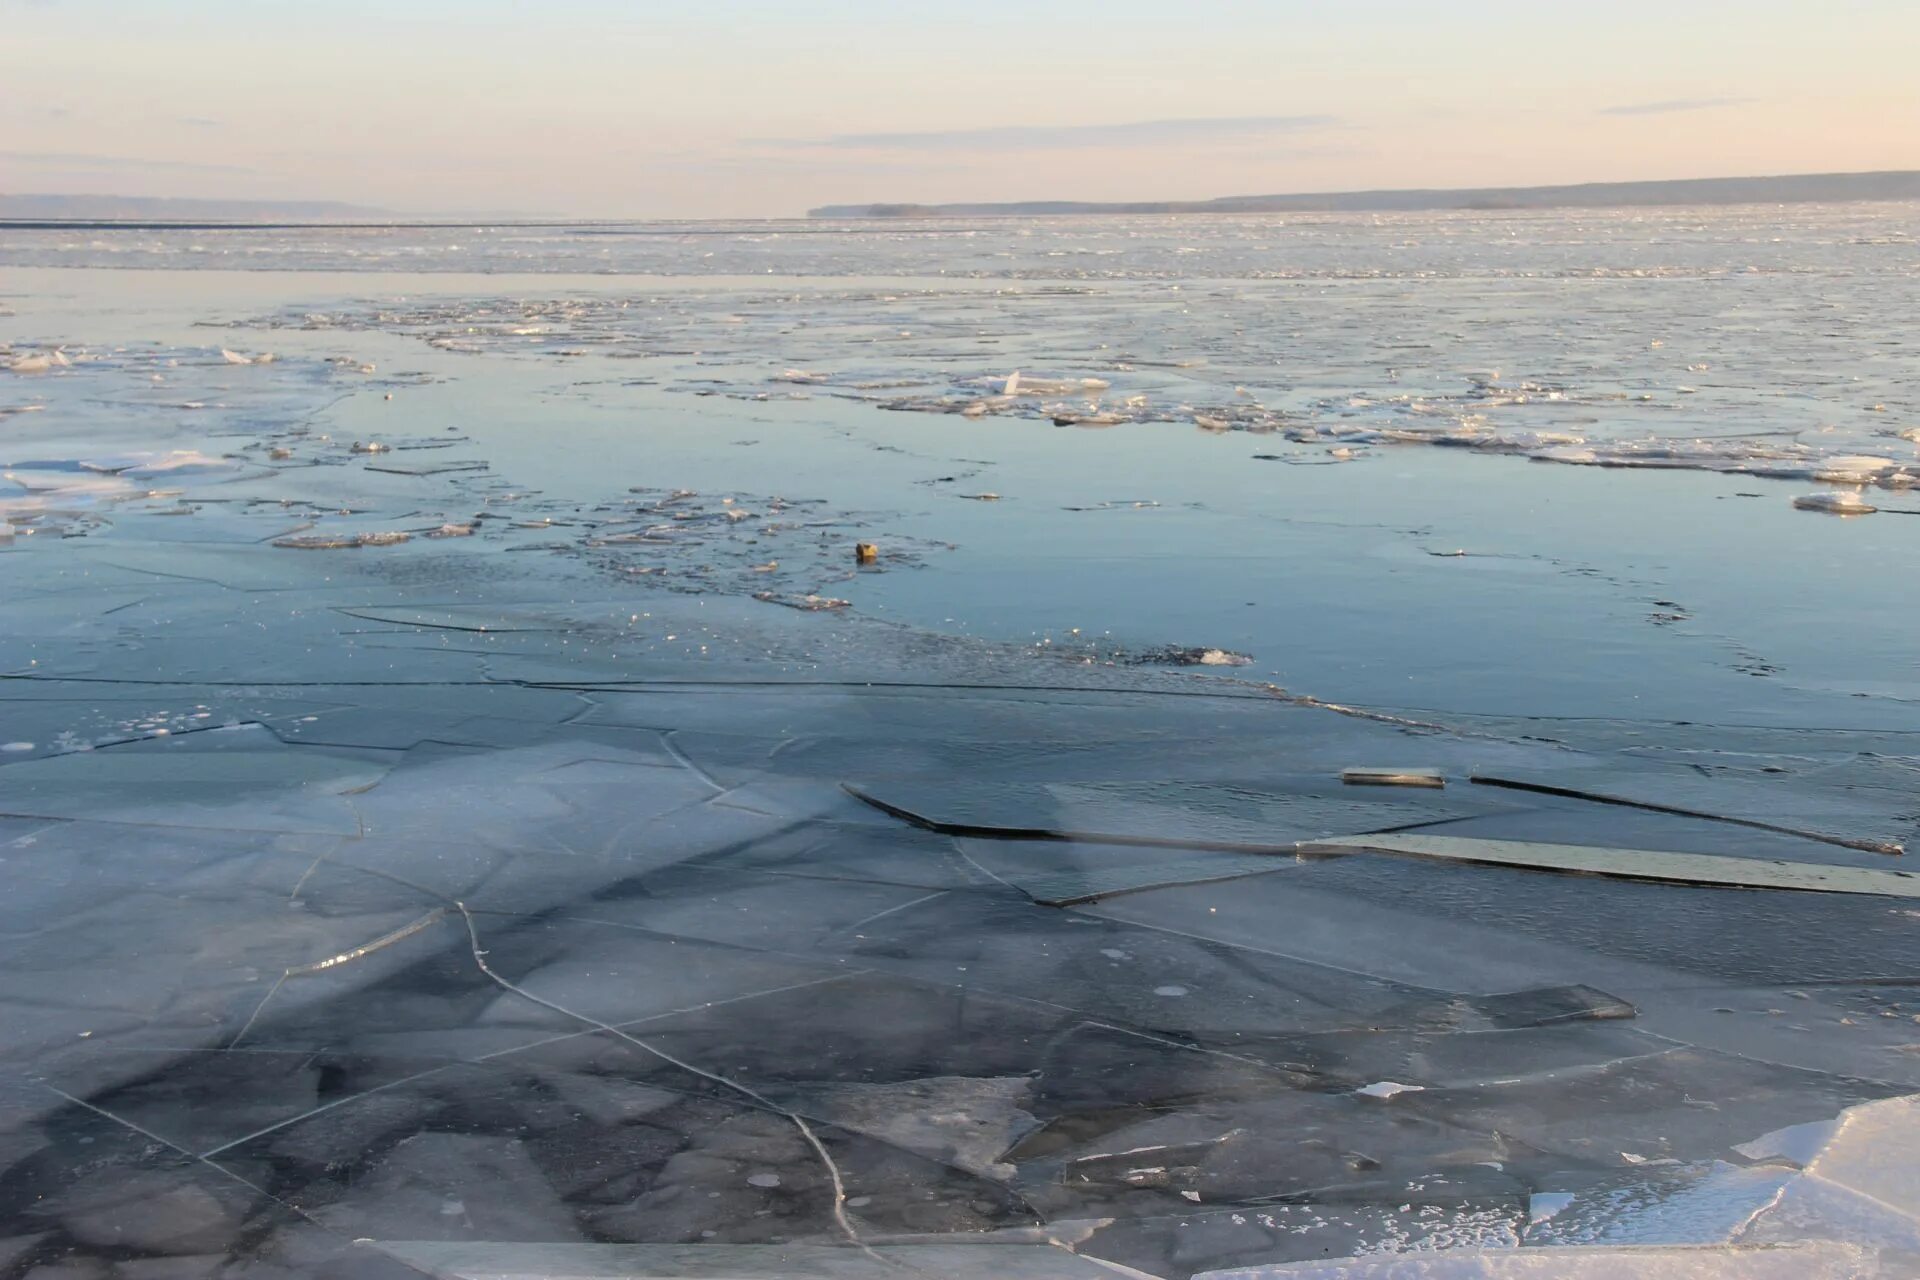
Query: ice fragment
{"x": 1364, "y": 776}
{"x": 1384, "y": 1089}
{"x": 1838, "y": 502}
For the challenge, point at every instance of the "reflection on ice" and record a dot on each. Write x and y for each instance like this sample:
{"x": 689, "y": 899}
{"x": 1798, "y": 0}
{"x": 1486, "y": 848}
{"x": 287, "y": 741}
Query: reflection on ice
{"x": 1839, "y": 503}
{"x": 1332, "y": 367}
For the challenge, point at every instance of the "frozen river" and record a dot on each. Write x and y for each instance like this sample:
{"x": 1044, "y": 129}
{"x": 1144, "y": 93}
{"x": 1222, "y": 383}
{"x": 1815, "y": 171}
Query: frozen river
{"x": 467, "y": 807}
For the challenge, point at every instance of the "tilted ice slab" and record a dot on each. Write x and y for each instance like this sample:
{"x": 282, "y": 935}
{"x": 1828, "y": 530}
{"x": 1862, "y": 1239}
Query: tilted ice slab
{"x": 1631, "y": 864}
{"x": 1860, "y": 1171}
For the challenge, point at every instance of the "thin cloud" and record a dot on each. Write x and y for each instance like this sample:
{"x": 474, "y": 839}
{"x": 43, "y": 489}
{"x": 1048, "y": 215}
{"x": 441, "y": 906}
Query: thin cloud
{"x": 74, "y": 160}
{"x": 203, "y": 122}
{"x": 1671, "y": 105}
{"x": 797, "y": 164}
{"x": 1050, "y": 137}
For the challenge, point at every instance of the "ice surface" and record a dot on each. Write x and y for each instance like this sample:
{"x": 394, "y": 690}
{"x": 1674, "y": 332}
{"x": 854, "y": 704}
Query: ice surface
{"x": 171, "y": 782}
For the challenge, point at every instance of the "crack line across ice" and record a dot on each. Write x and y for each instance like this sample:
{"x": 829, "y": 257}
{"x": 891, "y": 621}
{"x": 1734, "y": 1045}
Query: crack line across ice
{"x": 806, "y": 1130}
{"x": 686, "y": 762}
{"x": 1652, "y": 806}
{"x": 220, "y": 1169}
{"x": 290, "y": 1121}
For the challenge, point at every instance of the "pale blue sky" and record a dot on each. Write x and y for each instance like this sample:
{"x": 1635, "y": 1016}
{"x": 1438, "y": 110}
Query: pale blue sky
{"x": 748, "y": 107}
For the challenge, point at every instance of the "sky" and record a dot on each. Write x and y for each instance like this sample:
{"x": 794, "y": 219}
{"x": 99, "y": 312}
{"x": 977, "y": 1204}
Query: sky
{"x": 744, "y": 108}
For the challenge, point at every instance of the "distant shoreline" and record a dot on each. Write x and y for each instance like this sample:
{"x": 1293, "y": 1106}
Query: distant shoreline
{"x": 39, "y": 212}
{"x": 1895, "y": 184}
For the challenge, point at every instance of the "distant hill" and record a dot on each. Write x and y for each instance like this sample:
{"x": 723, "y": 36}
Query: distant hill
{"x": 91, "y": 208}
{"x": 1903, "y": 184}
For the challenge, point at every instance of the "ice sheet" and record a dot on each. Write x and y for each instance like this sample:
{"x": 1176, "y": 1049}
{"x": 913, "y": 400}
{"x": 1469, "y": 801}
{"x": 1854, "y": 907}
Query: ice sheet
{"x": 498, "y": 892}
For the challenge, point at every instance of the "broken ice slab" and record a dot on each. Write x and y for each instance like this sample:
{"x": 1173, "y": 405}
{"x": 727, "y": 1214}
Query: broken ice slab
{"x": 1854, "y": 819}
{"x": 1690, "y": 1204}
{"x": 1174, "y": 814}
{"x": 1836, "y": 502}
{"x": 1631, "y": 864}
{"x": 337, "y": 542}
{"x": 1872, "y": 1150}
{"x": 809, "y": 603}
{"x": 963, "y": 1261}
{"x": 1792, "y": 1262}
{"x": 1384, "y": 1089}
{"x": 1377, "y": 777}
{"x": 1857, "y": 1180}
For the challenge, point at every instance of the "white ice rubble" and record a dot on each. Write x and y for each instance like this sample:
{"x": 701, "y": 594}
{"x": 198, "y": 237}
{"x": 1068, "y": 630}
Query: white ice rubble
{"x": 1834, "y": 1199}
